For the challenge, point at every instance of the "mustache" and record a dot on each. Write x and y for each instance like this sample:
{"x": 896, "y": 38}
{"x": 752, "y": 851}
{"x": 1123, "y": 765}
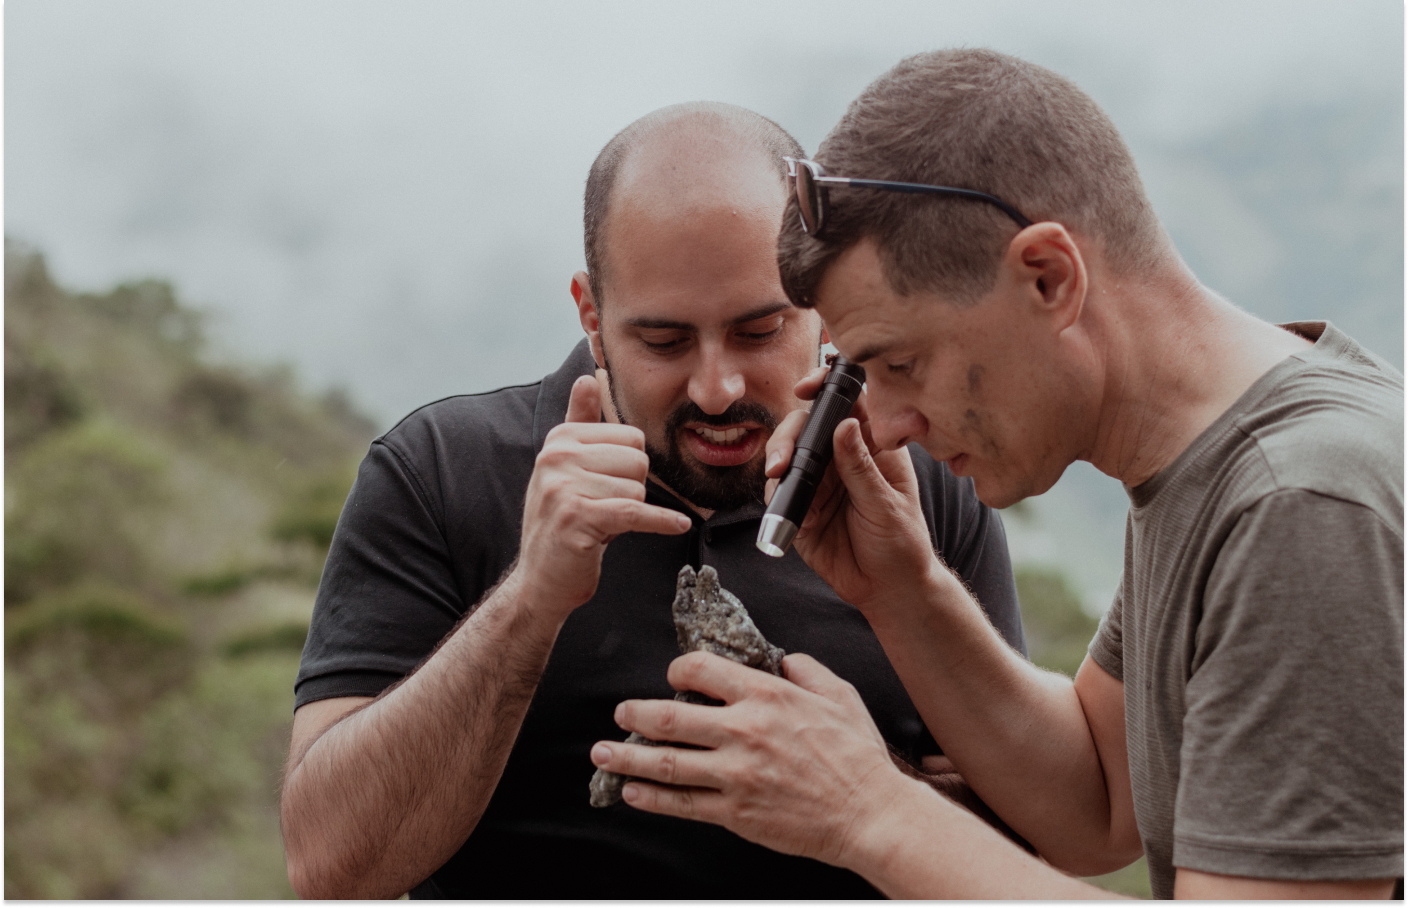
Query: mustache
{"x": 739, "y": 411}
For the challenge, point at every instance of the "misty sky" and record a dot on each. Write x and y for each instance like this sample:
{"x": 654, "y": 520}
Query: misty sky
{"x": 387, "y": 195}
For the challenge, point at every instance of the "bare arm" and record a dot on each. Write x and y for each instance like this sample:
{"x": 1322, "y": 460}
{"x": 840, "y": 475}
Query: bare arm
{"x": 1195, "y": 884}
{"x": 1046, "y": 755}
{"x": 388, "y": 789}
{"x": 379, "y": 793}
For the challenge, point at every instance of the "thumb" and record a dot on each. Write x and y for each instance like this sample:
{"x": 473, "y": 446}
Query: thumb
{"x": 855, "y": 466}
{"x": 585, "y": 403}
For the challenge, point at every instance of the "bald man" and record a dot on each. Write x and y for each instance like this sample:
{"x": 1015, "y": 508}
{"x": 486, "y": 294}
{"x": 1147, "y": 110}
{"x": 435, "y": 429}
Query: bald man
{"x": 504, "y": 568}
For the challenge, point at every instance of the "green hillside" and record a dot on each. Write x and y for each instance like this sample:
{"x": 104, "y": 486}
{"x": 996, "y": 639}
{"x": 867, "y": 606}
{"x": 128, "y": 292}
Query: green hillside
{"x": 166, "y": 518}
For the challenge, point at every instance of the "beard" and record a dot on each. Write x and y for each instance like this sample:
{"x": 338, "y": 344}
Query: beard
{"x": 714, "y": 488}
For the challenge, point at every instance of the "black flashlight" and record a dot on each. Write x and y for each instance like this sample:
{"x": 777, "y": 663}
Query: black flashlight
{"x": 794, "y": 494}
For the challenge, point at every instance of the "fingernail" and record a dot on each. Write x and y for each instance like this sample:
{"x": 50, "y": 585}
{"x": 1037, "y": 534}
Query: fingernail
{"x": 601, "y": 755}
{"x": 684, "y": 522}
{"x": 630, "y": 793}
{"x": 773, "y": 459}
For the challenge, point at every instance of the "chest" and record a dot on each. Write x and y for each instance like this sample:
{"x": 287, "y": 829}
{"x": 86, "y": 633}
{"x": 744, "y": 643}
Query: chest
{"x": 620, "y": 644}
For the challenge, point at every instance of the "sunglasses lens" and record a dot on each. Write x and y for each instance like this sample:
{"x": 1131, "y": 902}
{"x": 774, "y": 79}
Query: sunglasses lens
{"x": 808, "y": 198}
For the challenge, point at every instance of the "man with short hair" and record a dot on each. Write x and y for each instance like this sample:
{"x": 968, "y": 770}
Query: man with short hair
{"x": 504, "y": 568}
{"x": 1017, "y": 307}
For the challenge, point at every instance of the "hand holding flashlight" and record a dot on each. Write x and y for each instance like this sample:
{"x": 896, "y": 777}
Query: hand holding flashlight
{"x": 810, "y": 457}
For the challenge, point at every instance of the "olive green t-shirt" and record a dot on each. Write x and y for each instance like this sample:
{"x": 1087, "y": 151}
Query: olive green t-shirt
{"x": 1258, "y": 630}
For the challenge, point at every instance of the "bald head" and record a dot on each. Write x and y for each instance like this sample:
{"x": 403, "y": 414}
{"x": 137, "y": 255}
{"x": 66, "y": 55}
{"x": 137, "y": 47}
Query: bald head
{"x": 683, "y": 158}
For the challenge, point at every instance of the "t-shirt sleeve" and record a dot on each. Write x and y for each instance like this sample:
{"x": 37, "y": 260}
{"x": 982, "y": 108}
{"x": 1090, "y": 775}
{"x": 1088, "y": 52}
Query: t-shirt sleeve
{"x": 1107, "y": 646}
{"x": 1292, "y": 755}
{"x": 387, "y": 594}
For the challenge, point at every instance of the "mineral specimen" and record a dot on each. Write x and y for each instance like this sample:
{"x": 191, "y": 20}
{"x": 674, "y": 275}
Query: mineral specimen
{"x": 710, "y": 618}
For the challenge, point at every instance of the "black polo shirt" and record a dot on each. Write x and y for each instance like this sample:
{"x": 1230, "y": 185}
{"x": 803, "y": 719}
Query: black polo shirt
{"x": 433, "y": 521}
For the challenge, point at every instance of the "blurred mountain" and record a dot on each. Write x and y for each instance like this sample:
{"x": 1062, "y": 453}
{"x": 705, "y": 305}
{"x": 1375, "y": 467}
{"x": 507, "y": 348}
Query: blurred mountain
{"x": 1297, "y": 213}
{"x": 1293, "y": 213}
{"x": 166, "y": 518}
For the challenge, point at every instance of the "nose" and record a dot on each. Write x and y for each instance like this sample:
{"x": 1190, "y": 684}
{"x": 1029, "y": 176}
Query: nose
{"x": 895, "y": 427}
{"x": 717, "y": 381}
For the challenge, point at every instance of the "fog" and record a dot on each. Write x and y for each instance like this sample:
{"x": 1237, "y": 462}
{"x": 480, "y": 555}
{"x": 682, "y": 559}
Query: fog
{"x": 387, "y": 195}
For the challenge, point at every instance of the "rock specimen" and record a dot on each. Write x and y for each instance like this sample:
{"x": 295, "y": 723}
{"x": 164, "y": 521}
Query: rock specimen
{"x": 709, "y": 618}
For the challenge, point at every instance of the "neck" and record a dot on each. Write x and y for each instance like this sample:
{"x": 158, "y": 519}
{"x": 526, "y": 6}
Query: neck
{"x": 1175, "y": 357}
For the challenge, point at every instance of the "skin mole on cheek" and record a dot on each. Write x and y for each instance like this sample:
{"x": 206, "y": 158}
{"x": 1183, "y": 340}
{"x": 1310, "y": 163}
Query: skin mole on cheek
{"x": 975, "y": 380}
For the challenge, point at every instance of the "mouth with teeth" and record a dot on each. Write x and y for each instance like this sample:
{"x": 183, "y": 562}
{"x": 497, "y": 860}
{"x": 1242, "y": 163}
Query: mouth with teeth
{"x": 723, "y": 446}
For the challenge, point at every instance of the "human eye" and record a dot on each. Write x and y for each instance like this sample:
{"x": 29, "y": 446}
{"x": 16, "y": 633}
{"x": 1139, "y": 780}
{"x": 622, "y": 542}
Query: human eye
{"x": 760, "y": 331}
{"x": 900, "y": 369}
{"x": 664, "y": 341}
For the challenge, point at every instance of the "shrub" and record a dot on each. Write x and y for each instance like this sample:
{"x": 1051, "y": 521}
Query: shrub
{"x": 219, "y": 398}
{"x": 311, "y": 514}
{"x": 40, "y": 396}
{"x": 1057, "y": 629}
{"x": 288, "y": 637}
{"x": 104, "y": 648}
{"x": 80, "y": 503}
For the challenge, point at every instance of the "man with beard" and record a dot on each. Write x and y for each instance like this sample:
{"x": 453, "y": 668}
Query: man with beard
{"x": 520, "y": 547}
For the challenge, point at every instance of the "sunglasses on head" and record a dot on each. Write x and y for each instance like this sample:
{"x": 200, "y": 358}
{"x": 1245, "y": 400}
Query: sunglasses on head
{"x": 810, "y": 182}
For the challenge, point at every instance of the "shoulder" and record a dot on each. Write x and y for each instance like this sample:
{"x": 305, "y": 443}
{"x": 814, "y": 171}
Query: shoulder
{"x": 509, "y": 421}
{"x": 474, "y": 447}
{"x": 464, "y": 442}
{"x": 503, "y": 417}
{"x": 1334, "y": 426}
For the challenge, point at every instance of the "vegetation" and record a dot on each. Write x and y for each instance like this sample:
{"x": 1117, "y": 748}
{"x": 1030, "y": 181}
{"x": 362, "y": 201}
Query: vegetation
{"x": 1057, "y": 629}
{"x": 166, "y": 518}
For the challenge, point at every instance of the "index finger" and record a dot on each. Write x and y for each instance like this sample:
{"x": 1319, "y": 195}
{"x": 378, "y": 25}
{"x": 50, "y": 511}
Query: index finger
{"x": 807, "y": 388}
{"x": 672, "y": 721}
{"x": 717, "y": 677}
{"x": 782, "y": 440}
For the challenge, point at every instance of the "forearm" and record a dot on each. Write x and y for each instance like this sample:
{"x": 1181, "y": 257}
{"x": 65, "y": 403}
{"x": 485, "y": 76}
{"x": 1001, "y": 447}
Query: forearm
{"x": 385, "y": 796}
{"x": 919, "y": 845}
{"x": 1017, "y": 734}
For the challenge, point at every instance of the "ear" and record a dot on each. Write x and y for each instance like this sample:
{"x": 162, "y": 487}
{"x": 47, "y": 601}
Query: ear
{"x": 1049, "y": 267}
{"x": 588, "y": 315}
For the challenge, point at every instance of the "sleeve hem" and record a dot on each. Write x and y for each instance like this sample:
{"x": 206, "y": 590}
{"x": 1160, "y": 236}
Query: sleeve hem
{"x": 1292, "y": 860}
{"x": 1106, "y": 658}
{"x": 343, "y": 684}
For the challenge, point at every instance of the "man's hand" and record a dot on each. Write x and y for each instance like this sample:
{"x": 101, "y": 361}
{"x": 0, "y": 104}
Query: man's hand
{"x": 588, "y": 487}
{"x": 378, "y": 794}
{"x": 796, "y": 765}
{"x": 865, "y": 533}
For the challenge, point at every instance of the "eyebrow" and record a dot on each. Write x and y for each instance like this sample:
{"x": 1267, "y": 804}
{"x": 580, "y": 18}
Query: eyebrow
{"x": 752, "y": 315}
{"x": 871, "y": 352}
